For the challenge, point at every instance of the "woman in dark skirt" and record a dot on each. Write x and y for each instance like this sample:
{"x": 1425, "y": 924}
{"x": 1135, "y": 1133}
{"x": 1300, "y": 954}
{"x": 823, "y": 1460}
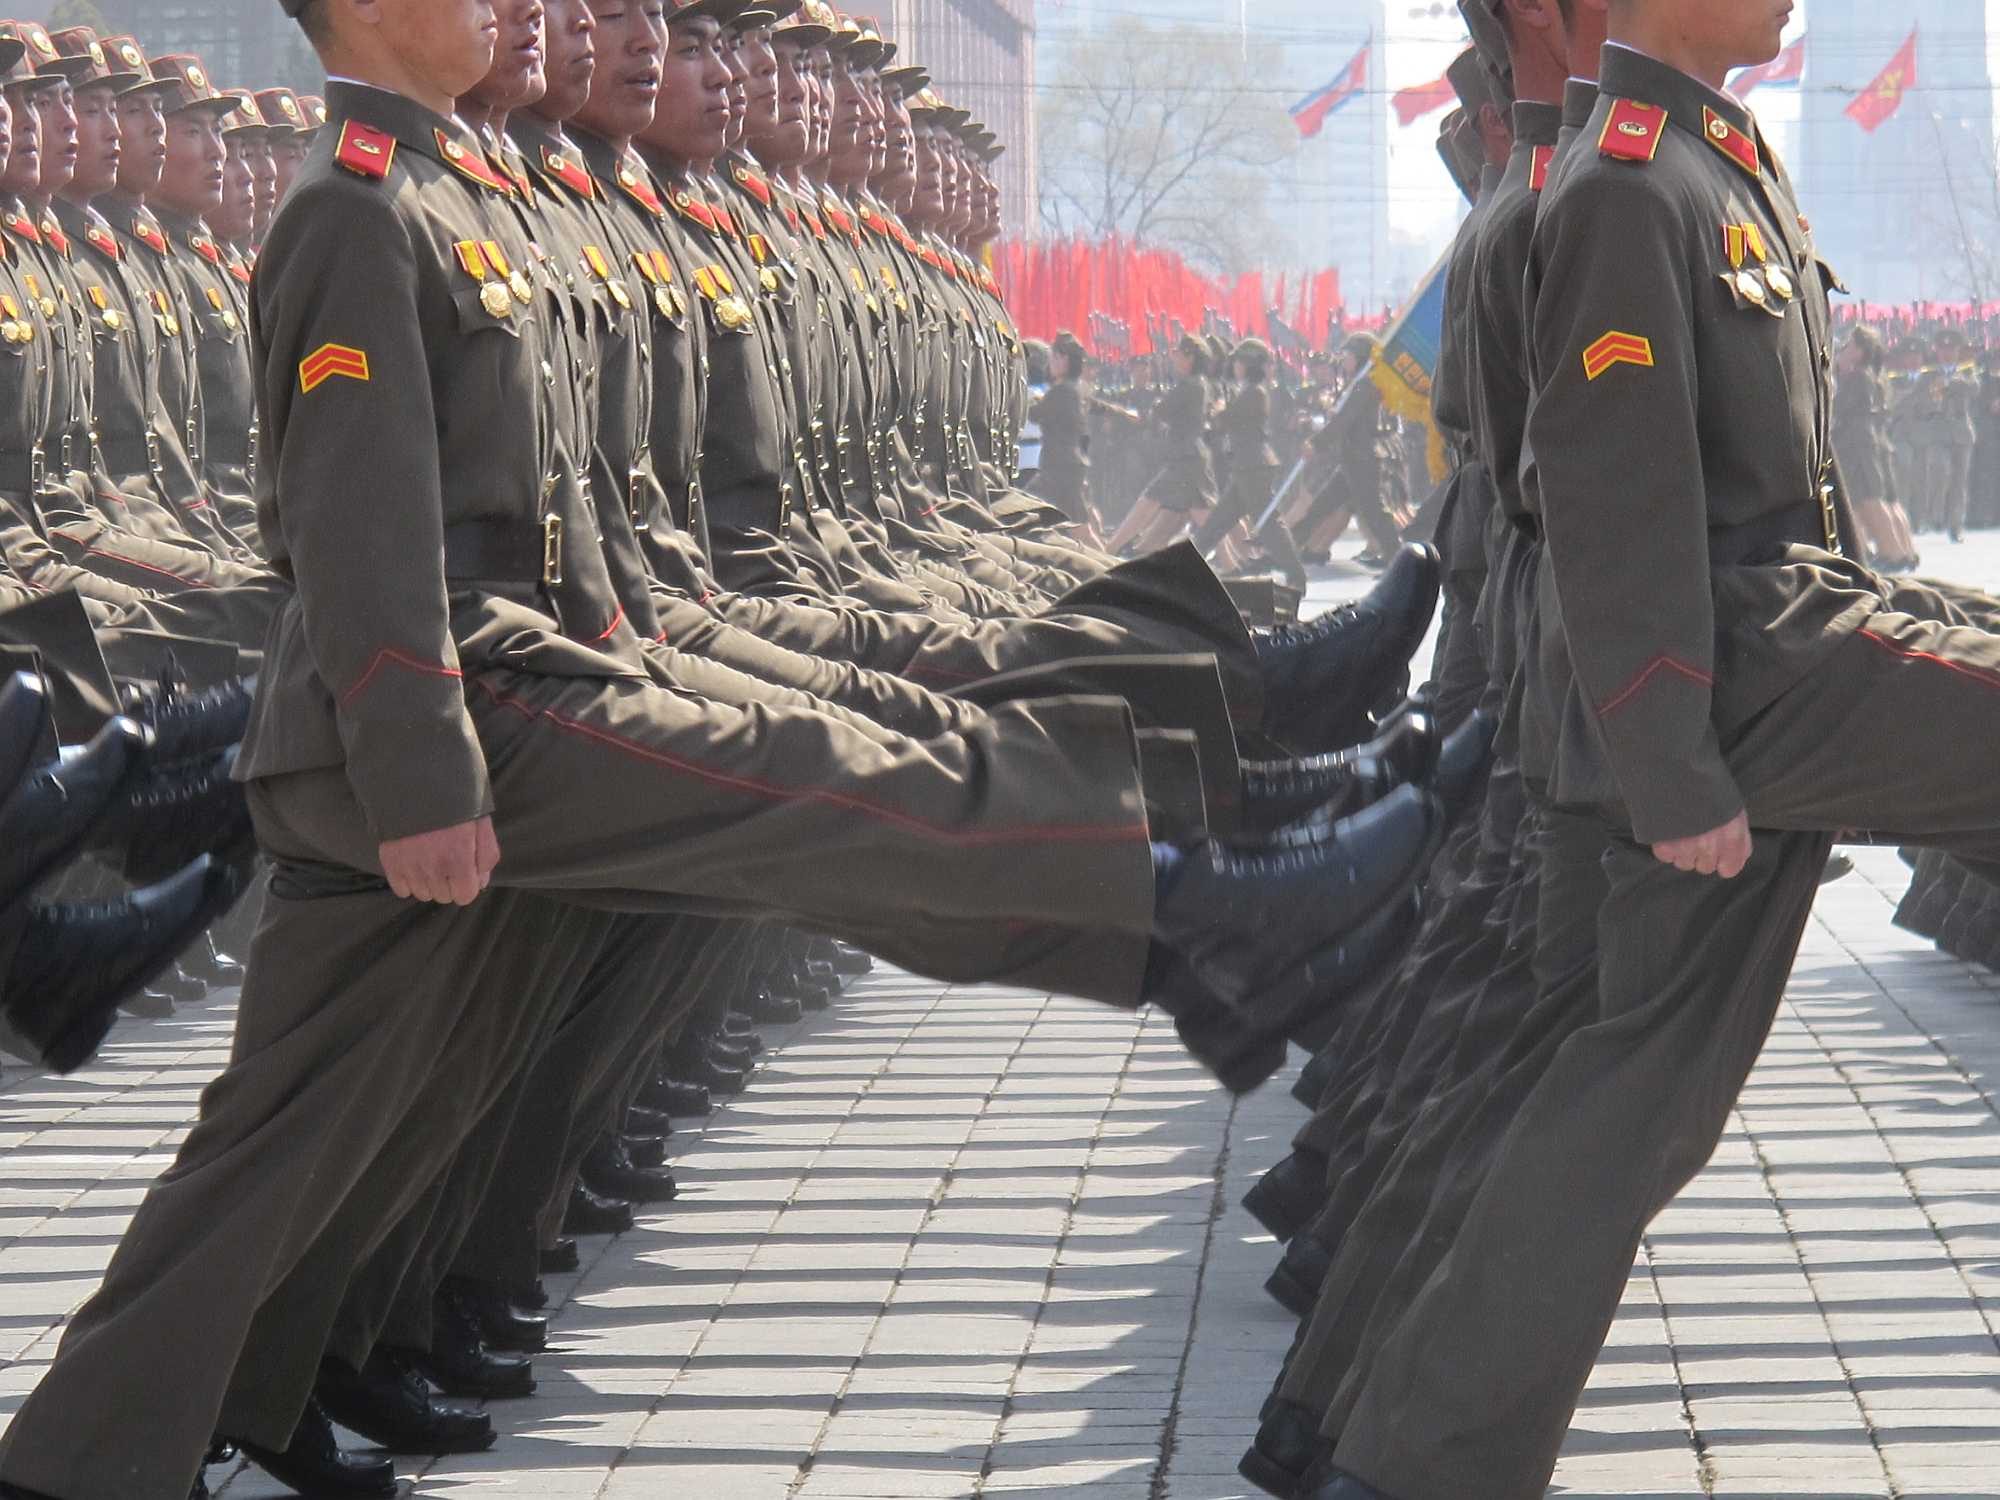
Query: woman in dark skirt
{"x": 1063, "y": 414}
{"x": 1185, "y": 485}
{"x": 1252, "y": 478}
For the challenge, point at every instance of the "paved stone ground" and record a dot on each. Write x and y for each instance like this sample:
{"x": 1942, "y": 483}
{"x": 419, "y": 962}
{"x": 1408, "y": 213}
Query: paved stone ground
{"x": 957, "y": 1243}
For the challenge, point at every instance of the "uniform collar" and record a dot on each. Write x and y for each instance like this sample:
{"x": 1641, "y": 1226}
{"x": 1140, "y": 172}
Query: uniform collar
{"x": 1715, "y": 118}
{"x": 1579, "y": 102}
{"x": 1536, "y": 124}
{"x": 413, "y": 127}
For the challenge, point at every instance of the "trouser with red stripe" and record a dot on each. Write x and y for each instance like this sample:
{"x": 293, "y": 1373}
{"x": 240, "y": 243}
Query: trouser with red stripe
{"x": 1016, "y": 850}
{"x": 1473, "y": 1391}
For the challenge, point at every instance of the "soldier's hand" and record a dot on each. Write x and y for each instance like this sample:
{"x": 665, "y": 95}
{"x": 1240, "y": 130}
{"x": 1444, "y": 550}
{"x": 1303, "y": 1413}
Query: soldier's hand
{"x": 449, "y": 866}
{"x": 1721, "y": 851}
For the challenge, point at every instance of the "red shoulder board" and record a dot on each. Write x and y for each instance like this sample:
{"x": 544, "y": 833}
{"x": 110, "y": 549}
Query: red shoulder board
{"x": 693, "y": 208}
{"x": 1632, "y": 131}
{"x": 471, "y": 164}
{"x": 640, "y": 190}
{"x": 837, "y": 217}
{"x": 53, "y": 233}
{"x": 101, "y": 241}
{"x": 1538, "y": 168}
{"x": 875, "y": 223}
{"x": 207, "y": 249}
{"x": 570, "y": 172}
{"x": 23, "y": 226}
{"x": 147, "y": 233}
{"x": 365, "y": 151}
{"x": 818, "y": 224}
{"x": 726, "y": 219}
{"x": 1731, "y": 142}
{"x": 792, "y": 218}
{"x": 754, "y": 185}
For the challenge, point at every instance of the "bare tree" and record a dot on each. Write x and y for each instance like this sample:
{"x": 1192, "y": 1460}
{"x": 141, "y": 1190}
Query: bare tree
{"x": 1167, "y": 135}
{"x": 66, "y": 13}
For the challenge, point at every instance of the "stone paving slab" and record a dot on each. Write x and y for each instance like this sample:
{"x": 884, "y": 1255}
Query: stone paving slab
{"x": 969, "y": 1242}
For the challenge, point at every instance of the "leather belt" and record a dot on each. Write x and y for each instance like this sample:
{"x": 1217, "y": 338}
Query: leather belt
{"x": 502, "y": 551}
{"x": 1762, "y": 540}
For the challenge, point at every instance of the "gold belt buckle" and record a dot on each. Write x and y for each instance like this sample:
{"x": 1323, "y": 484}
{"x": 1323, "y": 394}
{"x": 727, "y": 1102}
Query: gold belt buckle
{"x": 552, "y": 535}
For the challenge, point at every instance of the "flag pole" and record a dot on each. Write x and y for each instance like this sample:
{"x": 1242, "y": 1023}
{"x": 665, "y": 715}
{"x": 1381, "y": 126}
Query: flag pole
{"x": 1958, "y": 211}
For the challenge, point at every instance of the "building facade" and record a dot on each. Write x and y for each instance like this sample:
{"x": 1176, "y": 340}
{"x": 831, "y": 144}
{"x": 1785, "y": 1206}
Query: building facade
{"x": 981, "y": 57}
{"x": 1907, "y": 212}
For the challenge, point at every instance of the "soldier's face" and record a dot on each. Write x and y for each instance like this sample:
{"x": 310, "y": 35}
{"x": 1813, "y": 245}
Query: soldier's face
{"x": 23, "y": 175}
{"x": 56, "y": 109}
{"x": 6, "y": 134}
{"x": 572, "y": 58}
{"x": 692, "y": 121}
{"x": 142, "y": 122}
{"x": 626, "y": 80}
{"x": 760, "y": 82}
{"x": 192, "y": 180}
{"x": 930, "y": 176}
{"x": 235, "y": 218}
{"x": 518, "y": 76}
{"x": 898, "y": 172}
{"x": 263, "y": 175}
{"x": 288, "y": 154}
{"x": 1730, "y": 33}
{"x": 447, "y": 45}
{"x": 739, "y": 84}
{"x": 99, "y": 142}
{"x": 784, "y": 145}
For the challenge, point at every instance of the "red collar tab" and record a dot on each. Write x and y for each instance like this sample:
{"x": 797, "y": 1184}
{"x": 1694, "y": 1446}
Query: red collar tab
{"x": 206, "y": 248}
{"x": 23, "y": 226}
{"x": 1632, "y": 131}
{"x": 53, "y": 233}
{"x": 837, "y": 216}
{"x": 1538, "y": 168}
{"x": 1731, "y": 142}
{"x": 365, "y": 151}
{"x": 753, "y": 184}
{"x": 149, "y": 234}
{"x": 472, "y": 164}
{"x": 818, "y": 224}
{"x": 240, "y": 269}
{"x": 693, "y": 208}
{"x": 726, "y": 219}
{"x": 570, "y": 172}
{"x": 876, "y": 224}
{"x": 639, "y": 188}
{"x": 100, "y": 239}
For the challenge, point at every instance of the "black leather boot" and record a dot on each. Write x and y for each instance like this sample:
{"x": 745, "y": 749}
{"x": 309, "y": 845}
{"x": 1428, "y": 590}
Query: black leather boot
{"x": 1322, "y": 678}
{"x": 1295, "y": 1281}
{"x": 764, "y": 1007}
{"x": 645, "y": 1150}
{"x": 1247, "y": 922}
{"x": 458, "y": 1361}
{"x": 1276, "y": 793}
{"x": 559, "y": 1259}
{"x": 51, "y": 815}
{"x": 1289, "y": 1196}
{"x": 588, "y": 1213}
{"x": 313, "y": 1463}
{"x": 76, "y": 964}
{"x": 608, "y": 1169}
{"x": 388, "y": 1402}
{"x": 187, "y": 726}
{"x": 501, "y": 1324}
{"x": 1288, "y": 1444}
{"x": 677, "y": 1097}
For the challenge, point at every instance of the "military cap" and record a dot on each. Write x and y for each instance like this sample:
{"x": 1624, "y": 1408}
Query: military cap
{"x": 129, "y": 56}
{"x": 244, "y": 118}
{"x": 749, "y": 17}
{"x": 1067, "y": 343}
{"x": 852, "y": 41}
{"x": 1251, "y": 348}
{"x": 87, "y": 65}
{"x": 871, "y": 32}
{"x": 1472, "y": 81}
{"x": 196, "y": 89}
{"x": 716, "y": 10}
{"x": 38, "y": 47}
{"x": 908, "y": 80}
{"x": 15, "y": 65}
{"x": 811, "y": 24}
{"x": 1489, "y": 32}
{"x": 1867, "y": 340}
{"x": 282, "y": 111}
{"x": 1192, "y": 346}
{"x": 314, "y": 109}
{"x": 1361, "y": 345}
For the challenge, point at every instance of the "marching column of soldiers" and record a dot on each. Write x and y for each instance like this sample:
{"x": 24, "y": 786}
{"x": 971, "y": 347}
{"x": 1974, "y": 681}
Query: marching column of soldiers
{"x": 601, "y": 442}
{"x": 532, "y": 545}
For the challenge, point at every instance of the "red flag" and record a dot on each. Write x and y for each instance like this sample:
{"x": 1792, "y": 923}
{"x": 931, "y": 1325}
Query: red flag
{"x": 1786, "y": 70}
{"x": 1882, "y": 98}
{"x": 1310, "y": 113}
{"x": 1421, "y": 99}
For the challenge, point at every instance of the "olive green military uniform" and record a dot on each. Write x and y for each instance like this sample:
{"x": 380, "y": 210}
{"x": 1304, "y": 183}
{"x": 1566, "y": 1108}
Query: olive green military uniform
{"x": 422, "y": 678}
{"x": 1680, "y": 352}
